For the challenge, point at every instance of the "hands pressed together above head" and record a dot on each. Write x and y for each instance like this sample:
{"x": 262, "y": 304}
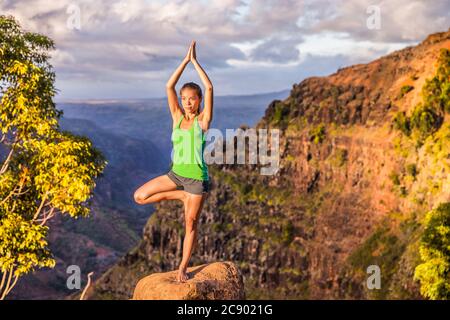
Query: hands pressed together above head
{"x": 191, "y": 54}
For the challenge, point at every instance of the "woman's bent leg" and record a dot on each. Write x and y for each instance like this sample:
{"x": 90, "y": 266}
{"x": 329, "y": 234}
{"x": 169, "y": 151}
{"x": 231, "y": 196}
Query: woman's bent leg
{"x": 157, "y": 189}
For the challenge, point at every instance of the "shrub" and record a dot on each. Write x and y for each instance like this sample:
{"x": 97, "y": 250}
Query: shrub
{"x": 427, "y": 116}
{"x": 401, "y": 122}
{"x": 281, "y": 113}
{"x": 382, "y": 248}
{"x": 341, "y": 156}
{"x": 317, "y": 134}
{"x": 445, "y": 97}
{"x": 403, "y": 192}
{"x": 436, "y": 91}
{"x": 434, "y": 272}
{"x": 288, "y": 233}
{"x": 394, "y": 178}
{"x": 404, "y": 90}
{"x": 425, "y": 120}
{"x": 411, "y": 169}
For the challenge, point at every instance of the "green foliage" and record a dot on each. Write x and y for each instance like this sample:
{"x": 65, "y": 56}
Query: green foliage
{"x": 436, "y": 90}
{"x": 401, "y": 122}
{"x": 427, "y": 116}
{"x": 403, "y": 192}
{"x": 46, "y": 170}
{"x": 434, "y": 272}
{"x": 287, "y": 233}
{"x": 425, "y": 120}
{"x": 251, "y": 191}
{"x": 341, "y": 156}
{"x": 411, "y": 169}
{"x": 404, "y": 90}
{"x": 317, "y": 134}
{"x": 394, "y": 178}
{"x": 445, "y": 97}
{"x": 398, "y": 188}
{"x": 383, "y": 249}
{"x": 22, "y": 245}
{"x": 281, "y": 113}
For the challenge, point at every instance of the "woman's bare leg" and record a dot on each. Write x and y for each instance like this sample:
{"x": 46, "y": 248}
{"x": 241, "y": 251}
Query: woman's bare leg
{"x": 193, "y": 207}
{"x": 157, "y": 189}
{"x": 166, "y": 195}
{"x": 200, "y": 210}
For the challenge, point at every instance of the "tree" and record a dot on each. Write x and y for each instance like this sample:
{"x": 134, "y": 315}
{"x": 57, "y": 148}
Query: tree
{"x": 434, "y": 272}
{"x": 44, "y": 170}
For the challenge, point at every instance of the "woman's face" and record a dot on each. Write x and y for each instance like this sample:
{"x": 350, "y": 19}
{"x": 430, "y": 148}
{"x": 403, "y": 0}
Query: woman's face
{"x": 190, "y": 100}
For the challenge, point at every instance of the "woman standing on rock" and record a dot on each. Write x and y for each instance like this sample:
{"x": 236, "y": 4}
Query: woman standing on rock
{"x": 189, "y": 171}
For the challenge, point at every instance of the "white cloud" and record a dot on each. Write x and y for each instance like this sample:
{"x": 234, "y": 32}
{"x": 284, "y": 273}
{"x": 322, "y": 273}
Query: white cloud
{"x": 142, "y": 41}
{"x": 401, "y": 20}
{"x": 339, "y": 43}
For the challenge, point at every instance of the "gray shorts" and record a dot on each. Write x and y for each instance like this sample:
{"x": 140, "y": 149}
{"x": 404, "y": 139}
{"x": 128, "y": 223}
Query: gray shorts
{"x": 189, "y": 185}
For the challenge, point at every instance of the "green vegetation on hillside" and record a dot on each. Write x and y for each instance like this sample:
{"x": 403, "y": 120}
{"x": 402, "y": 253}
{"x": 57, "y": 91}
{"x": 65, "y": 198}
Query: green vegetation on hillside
{"x": 317, "y": 134}
{"x": 402, "y": 123}
{"x": 424, "y": 147}
{"x": 382, "y": 248}
{"x": 404, "y": 90}
{"x": 389, "y": 247}
{"x": 280, "y": 117}
{"x": 434, "y": 272}
{"x": 427, "y": 116}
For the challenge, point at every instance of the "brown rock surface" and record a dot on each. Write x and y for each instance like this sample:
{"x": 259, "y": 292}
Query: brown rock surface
{"x": 212, "y": 281}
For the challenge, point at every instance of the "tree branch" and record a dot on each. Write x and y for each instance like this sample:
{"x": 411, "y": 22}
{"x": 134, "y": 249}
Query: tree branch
{"x": 14, "y": 193}
{"x": 44, "y": 198}
{"x": 46, "y": 217}
{"x": 12, "y": 286}
{"x": 10, "y": 272}
{"x": 3, "y": 280}
{"x": 8, "y": 159}
{"x": 21, "y": 184}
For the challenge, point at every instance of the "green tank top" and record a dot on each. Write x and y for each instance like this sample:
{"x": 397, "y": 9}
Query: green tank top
{"x": 188, "y": 147}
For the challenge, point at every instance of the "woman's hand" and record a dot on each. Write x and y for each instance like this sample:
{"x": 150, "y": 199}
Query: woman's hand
{"x": 193, "y": 56}
{"x": 189, "y": 54}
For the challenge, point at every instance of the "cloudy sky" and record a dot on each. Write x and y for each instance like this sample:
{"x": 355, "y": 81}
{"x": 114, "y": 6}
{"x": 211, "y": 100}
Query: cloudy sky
{"x": 120, "y": 49}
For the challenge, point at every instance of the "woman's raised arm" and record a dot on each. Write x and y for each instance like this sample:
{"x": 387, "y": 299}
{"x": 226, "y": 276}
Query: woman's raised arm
{"x": 207, "y": 113}
{"x": 174, "y": 106}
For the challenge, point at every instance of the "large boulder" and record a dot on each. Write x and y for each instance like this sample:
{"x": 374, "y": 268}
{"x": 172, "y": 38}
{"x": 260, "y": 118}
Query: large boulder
{"x": 218, "y": 280}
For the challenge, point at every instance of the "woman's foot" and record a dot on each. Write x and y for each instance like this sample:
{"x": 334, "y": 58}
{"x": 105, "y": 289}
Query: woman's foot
{"x": 182, "y": 275}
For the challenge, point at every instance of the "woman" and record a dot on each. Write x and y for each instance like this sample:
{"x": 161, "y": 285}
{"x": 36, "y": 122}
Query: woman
{"x": 188, "y": 178}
